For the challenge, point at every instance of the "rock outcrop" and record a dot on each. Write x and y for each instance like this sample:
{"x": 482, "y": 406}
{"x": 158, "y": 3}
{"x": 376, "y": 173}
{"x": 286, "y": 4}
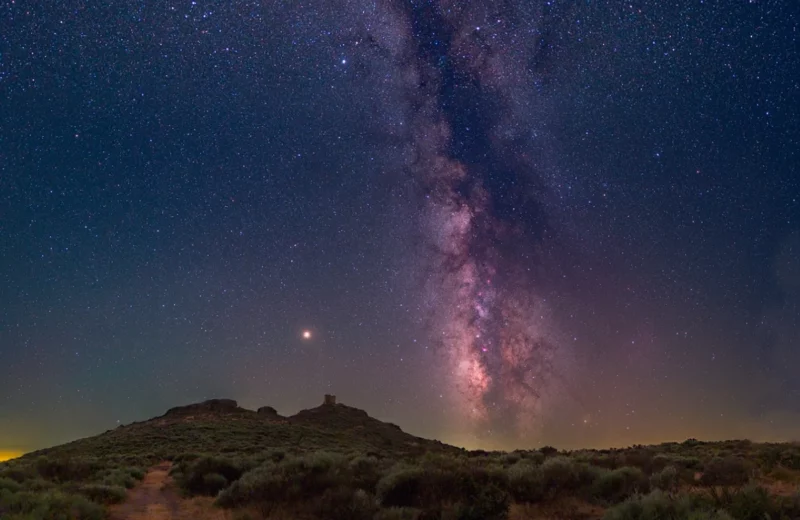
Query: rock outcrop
{"x": 269, "y": 412}
{"x": 210, "y": 406}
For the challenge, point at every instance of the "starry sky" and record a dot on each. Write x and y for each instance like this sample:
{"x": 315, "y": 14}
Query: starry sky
{"x": 501, "y": 224}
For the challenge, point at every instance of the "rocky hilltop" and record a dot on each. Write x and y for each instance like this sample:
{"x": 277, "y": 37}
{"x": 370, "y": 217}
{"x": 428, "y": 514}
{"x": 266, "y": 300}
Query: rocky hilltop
{"x": 222, "y": 426}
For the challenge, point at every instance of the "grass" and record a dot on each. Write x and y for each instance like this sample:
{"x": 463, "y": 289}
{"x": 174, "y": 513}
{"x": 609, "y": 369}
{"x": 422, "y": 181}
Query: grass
{"x": 338, "y": 463}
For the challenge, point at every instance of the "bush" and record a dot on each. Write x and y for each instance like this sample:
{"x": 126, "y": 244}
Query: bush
{"x": 659, "y": 506}
{"x": 491, "y": 503}
{"x": 292, "y": 480}
{"x": 751, "y": 503}
{"x": 366, "y": 472}
{"x": 728, "y": 471}
{"x": 18, "y": 473}
{"x": 213, "y": 483}
{"x": 548, "y": 451}
{"x": 118, "y": 477}
{"x": 398, "y": 513}
{"x": 790, "y": 458}
{"x": 618, "y": 484}
{"x": 559, "y": 473}
{"x": 448, "y": 481}
{"x": 526, "y": 482}
{"x": 345, "y": 504}
{"x": 38, "y": 484}
{"x": 67, "y": 469}
{"x": 51, "y": 505}
{"x": 666, "y": 479}
{"x": 10, "y": 485}
{"x": 103, "y": 494}
{"x": 208, "y": 475}
{"x": 401, "y": 487}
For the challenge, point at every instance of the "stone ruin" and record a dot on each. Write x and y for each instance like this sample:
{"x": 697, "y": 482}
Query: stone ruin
{"x": 329, "y": 399}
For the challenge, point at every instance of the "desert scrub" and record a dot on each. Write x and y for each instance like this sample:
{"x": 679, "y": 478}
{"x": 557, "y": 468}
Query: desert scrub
{"x": 103, "y": 494}
{"x": 402, "y": 486}
{"x": 665, "y": 480}
{"x": 659, "y": 506}
{"x": 526, "y": 482}
{"x": 559, "y": 473}
{"x": 55, "y": 505}
{"x": 616, "y": 485}
{"x": 366, "y": 472}
{"x": 208, "y": 475}
{"x": 67, "y": 468}
{"x": 728, "y": 471}
{"x": 491, "y": 503}
{"x": 279, "y": 483}
{"x": 562, "y": 475}
{"x": 6, "y": 484}
{"x": 428, "y": 486}
{"x": 749, "y": 503}
{"x": 398, "y": 513}
{"x": 343, "y": 503}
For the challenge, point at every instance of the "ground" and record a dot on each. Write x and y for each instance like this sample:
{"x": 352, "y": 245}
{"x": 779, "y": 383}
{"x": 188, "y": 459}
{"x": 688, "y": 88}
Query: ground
{"x": 156, "y": 498}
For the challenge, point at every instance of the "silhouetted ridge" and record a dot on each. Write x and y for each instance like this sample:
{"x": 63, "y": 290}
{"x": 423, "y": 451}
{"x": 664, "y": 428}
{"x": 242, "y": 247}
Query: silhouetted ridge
{"x": 222, "y": 426}
{"x": 210, "y": 406}
{"x": 269, "y": 412}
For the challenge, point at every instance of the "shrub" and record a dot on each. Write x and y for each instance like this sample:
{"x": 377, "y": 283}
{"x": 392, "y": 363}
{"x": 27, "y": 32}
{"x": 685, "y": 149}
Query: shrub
{"x": 750, "y": 503}
{"x": 18, "y": 473}
{"x": 118, "y": 477}
{"x": 366, "y": 472}
{"x": 666, "y": 479}
{"x": 618, "y": 484}
{"x": 790, "y": 458}
{"x": 548, "y": 451}
{"x": 782, "y": 474}
{"x": 401, "y": 487}
{"x": 398, "y": 513}
{"x": 728, "y": 471}
{"x": 292, "y": 480}
{"x": 559, "y": 473}
{"x": 448, "y": 482}
{"x": 659, "y": 506}
{"x": 66, "y": 469}
{"x": 342, "y": 503}
{"x": 55, "y": 505}
{"x": 526, "y": 482}
{"x": 213, "y": 483}
{"x": 208, "y": 475}
{"x": 38, "y": 484}
{"x": 641, "y": 458}
{"x": 789, "y": 507}
{"x": 10, "y": 485}
{"x": 491, "y": 503}
{"x": 103, "y": 494}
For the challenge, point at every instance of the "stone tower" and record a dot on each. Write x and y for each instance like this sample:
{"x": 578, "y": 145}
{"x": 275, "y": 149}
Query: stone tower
{"x": 329, "y": 399}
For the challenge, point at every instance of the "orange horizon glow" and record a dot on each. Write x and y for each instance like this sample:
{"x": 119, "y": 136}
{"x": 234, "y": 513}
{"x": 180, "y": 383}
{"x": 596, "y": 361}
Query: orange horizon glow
{"x": 10, "y": 454}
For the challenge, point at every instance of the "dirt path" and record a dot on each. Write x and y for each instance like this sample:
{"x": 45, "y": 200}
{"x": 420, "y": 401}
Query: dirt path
{"x": 156, "y": 499}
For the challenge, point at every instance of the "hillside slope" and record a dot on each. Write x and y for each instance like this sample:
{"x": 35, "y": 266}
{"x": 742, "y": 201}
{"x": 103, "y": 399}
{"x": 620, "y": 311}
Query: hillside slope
{"x": 220, "y": 426}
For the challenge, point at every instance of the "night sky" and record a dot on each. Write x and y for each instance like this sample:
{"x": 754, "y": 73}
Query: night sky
{"x": 502, "y": 224}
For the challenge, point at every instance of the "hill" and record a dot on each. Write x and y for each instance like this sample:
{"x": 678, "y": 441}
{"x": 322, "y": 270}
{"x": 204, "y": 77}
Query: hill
{"x": 220, "y": 426}
{"x": 336, "y": 462}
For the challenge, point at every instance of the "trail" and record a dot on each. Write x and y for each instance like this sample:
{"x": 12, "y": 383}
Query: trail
{"x": 156, "y": 499}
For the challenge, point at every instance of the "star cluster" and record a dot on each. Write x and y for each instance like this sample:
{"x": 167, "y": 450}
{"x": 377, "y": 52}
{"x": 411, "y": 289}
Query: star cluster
{"x": 500, "y": 224}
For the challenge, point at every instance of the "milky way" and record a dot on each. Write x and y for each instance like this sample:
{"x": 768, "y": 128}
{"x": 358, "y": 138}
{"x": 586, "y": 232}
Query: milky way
{"x": 462, "y": 72}
{"x": 504, "y": 223}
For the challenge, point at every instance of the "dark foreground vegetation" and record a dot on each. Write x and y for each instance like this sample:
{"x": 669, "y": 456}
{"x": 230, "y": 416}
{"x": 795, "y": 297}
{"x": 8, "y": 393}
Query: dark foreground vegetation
{"x": 335, "y": 462}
